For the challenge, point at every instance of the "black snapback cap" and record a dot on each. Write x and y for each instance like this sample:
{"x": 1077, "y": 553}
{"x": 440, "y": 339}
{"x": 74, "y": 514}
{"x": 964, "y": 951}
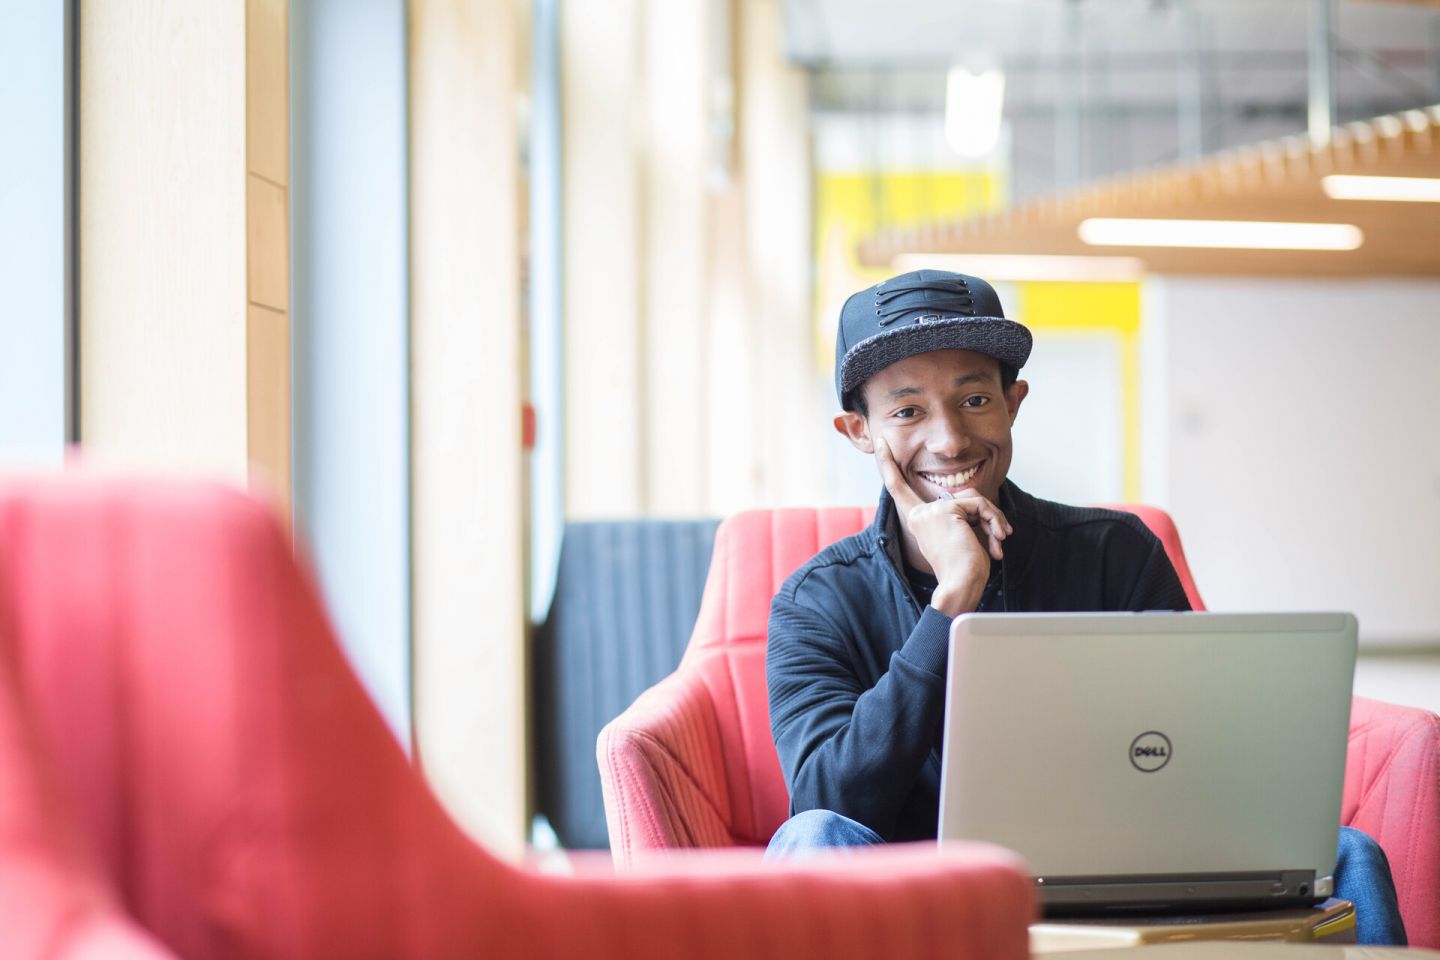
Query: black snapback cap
{"x": 918, "y": 312}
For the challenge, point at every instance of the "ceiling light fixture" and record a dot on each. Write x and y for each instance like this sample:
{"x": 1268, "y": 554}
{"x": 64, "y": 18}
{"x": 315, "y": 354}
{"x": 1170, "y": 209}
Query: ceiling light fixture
{"x": 1414, "y": 189}
{"x": 1227, "y": 234}
{"x": 974, "y": 107}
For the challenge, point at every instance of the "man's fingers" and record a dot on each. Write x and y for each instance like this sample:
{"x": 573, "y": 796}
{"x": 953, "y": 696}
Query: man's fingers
{"x": 905, "y": 498}
{"x": 999, "y": 526}
{"x": 989, "y": 523}
{"x": 982, "y": 513}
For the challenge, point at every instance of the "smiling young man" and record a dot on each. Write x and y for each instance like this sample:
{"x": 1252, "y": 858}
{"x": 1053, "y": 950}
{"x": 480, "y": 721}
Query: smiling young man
{"x": 926, "y": 370}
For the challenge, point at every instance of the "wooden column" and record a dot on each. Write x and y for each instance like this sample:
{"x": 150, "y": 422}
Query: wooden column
{"x": 690, "y": 381}
{"x": 605, "y": 394}
{"x": 468, "y": 503}
{"x": 774, "y": 155}
{"x": 672, "y": 257}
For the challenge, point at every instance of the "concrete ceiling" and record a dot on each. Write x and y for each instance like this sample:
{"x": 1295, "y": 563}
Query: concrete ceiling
{"x": 1249, "y": 53}
{"x": 898, "y": 33}
{"x": 1096, "y": 88}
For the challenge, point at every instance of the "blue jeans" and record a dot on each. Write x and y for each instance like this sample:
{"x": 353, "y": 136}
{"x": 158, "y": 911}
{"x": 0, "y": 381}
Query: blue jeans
{"x": 1362, "y": 874}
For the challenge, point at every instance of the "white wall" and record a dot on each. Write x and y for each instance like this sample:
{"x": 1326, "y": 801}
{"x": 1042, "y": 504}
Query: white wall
{"x": 1297, "y": 419}
{"x": 1069, "y": 436}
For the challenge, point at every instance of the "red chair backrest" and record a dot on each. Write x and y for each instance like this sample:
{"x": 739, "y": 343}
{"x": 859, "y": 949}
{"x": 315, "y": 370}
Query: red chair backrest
{"x": 754, "y": 552}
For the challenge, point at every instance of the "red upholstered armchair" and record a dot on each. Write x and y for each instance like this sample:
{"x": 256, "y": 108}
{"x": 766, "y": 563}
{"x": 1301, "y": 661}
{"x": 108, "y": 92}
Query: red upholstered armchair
{"x": 188, "y": 764}
{"x": 692, "y": 764}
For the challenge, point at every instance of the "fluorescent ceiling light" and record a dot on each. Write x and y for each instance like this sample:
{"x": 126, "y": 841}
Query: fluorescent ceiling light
{"x": 1236, "y": 234}
{"x": 1419, "y": 189}
{"x": 1013, "y": 267}
{"x": 974, "y": 105}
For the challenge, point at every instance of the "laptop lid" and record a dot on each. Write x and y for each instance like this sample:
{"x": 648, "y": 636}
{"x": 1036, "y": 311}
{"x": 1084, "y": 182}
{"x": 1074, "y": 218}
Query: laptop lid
{"x": 1152, "y": 760}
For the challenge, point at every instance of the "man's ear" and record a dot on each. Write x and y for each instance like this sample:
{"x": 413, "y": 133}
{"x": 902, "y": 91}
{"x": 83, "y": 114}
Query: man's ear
{"x": 856, "y": 429}
{"x": 1015, "y": 394}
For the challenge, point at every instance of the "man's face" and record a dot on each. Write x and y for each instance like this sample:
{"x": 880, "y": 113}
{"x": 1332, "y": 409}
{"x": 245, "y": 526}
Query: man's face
{"x": 946, "y": 419}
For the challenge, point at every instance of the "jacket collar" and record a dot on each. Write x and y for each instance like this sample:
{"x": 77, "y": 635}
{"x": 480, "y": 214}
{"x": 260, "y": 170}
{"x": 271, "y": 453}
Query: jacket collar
{"x": 886, "y": 527}
{"x": 1019, "y": 508}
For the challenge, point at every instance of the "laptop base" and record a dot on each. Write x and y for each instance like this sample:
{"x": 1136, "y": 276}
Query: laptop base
{"x": 1168, "y": 894}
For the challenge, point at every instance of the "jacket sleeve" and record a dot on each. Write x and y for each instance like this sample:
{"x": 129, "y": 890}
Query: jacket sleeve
{"x": 1157, "y": 586}
{"x": 842, "y": 747}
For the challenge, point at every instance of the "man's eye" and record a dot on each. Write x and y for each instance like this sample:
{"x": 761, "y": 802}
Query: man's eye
{"x": 975, "y": 401}
{"x": 905, "y": 413}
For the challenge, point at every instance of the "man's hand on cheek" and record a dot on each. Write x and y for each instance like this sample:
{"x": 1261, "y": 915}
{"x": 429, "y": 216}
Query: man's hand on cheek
{"x": 955, "y": 537}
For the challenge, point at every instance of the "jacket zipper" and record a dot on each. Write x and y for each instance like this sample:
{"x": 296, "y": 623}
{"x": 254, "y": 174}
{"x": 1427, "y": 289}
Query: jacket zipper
{"x": 904, "y": 584}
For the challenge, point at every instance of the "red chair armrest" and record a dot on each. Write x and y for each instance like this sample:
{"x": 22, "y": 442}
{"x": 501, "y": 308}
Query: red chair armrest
{"x": 1392, "y": 792}
{"x": 662, "y": 772}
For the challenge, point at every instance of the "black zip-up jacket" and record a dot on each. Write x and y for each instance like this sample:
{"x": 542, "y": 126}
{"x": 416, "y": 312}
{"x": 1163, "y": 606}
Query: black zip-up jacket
{"x": 856, "y": 668}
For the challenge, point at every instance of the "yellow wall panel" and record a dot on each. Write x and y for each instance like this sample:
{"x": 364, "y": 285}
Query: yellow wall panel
{"x": 1085, "y": 306}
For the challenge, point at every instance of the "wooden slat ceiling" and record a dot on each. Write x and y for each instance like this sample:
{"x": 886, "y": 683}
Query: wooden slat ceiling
{"x": 1277, "y": 180}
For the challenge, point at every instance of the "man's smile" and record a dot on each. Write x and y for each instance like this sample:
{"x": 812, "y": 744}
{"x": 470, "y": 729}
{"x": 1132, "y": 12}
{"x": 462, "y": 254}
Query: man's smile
{"x": 953, "y": 481}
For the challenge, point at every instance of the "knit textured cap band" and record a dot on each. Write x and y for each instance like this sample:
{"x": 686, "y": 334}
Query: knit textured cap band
{"x": 918, "y": 312}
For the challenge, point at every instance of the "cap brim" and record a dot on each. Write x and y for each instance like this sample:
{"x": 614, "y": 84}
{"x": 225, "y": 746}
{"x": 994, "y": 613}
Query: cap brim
{"x": 1005, "y": 340}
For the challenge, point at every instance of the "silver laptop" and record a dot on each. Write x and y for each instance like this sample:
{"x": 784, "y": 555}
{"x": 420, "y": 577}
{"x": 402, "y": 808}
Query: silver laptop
{"x": 1152, "y": 761}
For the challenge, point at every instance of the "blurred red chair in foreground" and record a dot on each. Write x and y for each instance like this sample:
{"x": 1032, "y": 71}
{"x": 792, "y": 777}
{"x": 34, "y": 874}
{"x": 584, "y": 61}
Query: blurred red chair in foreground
{"x": 243, "y": 798}
{"x": 692, "y": 762}
{"x": 53, "y": 901}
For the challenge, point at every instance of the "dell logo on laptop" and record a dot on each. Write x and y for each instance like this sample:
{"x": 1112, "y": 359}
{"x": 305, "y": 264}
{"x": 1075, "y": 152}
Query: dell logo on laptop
{"x": 1150, "y": 751}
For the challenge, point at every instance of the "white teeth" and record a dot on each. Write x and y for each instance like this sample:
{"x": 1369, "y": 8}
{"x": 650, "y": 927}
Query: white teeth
{"x": 954, "y": 479}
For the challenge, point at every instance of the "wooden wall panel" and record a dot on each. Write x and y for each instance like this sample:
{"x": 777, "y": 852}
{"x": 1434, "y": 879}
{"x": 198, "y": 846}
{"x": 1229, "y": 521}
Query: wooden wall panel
{"x": 267, "y": 252}
{"x": 267, "y": 249}
{"x": 1278, "y": 180}
{"x": 267, "y": 89}
{"x": 267, "y": 383}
